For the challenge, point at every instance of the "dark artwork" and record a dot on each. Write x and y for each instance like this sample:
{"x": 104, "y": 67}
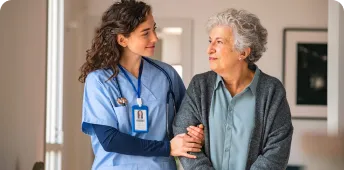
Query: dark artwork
{"x": 311, "y": 74}
{"x": 294, "y": 168}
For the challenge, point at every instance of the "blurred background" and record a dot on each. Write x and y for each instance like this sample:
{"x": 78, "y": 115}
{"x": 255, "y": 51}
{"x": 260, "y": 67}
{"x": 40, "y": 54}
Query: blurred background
{"x": 43, "y": 44}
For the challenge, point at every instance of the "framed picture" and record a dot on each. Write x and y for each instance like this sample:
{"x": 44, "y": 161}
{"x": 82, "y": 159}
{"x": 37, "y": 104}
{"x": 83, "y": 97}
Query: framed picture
{"x": 305, "y": 71}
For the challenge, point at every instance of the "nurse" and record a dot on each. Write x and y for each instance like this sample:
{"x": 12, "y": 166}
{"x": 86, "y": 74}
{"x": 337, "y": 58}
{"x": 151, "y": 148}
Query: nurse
{"x": 124, "y": 104}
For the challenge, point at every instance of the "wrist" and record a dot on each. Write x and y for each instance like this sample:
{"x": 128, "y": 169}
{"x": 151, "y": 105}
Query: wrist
{"x": 168, "y": 148}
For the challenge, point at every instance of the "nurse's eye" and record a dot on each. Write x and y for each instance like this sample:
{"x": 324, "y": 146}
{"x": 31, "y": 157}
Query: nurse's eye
{"x": 145, "y": 34}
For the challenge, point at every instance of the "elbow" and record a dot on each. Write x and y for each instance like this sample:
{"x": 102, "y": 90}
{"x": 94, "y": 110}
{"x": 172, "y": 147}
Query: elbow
{"x": 105, "y": 147}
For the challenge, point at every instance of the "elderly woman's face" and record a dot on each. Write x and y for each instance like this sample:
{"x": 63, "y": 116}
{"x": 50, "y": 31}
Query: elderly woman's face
{"x": 221, "y": 51}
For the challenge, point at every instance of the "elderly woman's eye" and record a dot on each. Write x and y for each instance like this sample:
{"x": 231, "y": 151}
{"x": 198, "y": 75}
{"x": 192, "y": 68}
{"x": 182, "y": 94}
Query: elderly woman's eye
{"x": 219, "y": 42}
{"x": 209, "y": 41}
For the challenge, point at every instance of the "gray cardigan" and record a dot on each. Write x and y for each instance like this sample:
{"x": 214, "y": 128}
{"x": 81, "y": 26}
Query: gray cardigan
{"x": 269, "y": 146}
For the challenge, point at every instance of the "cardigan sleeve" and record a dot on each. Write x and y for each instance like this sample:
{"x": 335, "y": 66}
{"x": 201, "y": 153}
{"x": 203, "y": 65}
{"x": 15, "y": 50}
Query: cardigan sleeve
{"x": 187, "y": 115}
{"x": 275, "y": 153}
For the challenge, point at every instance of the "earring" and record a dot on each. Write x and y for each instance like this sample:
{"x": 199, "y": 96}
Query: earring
{"x": 240, "y": 59}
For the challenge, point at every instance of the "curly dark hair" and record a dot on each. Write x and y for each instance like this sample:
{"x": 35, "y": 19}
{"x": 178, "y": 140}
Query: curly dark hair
{"x": 121, "y": 18}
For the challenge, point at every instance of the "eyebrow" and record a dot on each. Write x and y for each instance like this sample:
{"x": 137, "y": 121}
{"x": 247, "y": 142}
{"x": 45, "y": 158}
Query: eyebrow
{"x": 147, "y": 29}
{"x": 225, "y": 40}
{"x": 217, "y": 38}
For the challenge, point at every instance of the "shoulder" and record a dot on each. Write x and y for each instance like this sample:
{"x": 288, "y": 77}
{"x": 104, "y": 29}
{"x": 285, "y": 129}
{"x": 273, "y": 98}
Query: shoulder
{"x": 161, "y": 64}
{"x": 99, "y": 76}
{"x": 206, "y": 78}
{"x": 268, "y": 83}
{"x": 168, "y": 68}
{"x": 202, "y": 84}
{"x": 205, "y": 75}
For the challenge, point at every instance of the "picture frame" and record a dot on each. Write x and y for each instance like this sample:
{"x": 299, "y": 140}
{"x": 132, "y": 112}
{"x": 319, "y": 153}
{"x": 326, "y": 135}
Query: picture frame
{"x": 305, "y": 71}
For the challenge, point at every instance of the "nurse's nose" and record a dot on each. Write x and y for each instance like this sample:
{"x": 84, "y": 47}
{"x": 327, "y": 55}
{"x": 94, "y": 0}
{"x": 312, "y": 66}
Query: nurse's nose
{"x": 154, "y": 38}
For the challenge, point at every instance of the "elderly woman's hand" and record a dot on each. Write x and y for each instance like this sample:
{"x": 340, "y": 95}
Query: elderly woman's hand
{"x": 196, "y": 132}
{"x": 182, "y": 145}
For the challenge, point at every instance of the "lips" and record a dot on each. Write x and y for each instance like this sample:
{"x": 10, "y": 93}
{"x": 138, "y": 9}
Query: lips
{"x": 151, "y": 46}
{"x": 212, "y": 58}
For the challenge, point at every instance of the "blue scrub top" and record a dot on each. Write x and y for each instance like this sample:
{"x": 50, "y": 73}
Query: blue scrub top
{"x": 100, "y": 107}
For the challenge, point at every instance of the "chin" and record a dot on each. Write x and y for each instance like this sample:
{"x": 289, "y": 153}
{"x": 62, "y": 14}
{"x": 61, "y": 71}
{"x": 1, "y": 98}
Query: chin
{"x": 215, "y": 68}
{"x": 148, "y": 54}
{"x": 212, "y": 66}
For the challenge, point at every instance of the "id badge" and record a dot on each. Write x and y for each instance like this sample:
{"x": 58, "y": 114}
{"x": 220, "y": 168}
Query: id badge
{"x": 140, "y": 119}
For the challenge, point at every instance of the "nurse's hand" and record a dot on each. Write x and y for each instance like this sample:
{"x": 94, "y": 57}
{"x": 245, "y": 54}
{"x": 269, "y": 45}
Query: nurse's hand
{"x": 182, "y": 144}
{"x": 196, "y": 132}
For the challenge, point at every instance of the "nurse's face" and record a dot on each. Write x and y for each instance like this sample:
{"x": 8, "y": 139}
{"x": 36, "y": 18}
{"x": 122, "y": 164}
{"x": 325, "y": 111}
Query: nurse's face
{"x": 142, "y": 40}
{"x": 221, "y": 51}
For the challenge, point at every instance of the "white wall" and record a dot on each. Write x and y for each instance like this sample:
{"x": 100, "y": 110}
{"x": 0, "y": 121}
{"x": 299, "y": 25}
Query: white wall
{"x": 77, "y": 151}
{"x": 171, "y": 51}
{"x": 23, "y": 50}
{"x": 23, "y": 30}
{"x": 158, "y": 50}
{"x": 22, "y": 88}
{"x": 275, "y": 15}
{"x": 335, "y": 72}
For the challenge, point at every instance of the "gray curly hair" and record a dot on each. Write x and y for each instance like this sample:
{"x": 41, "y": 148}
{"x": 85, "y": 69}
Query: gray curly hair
{"x": 247, "y": 31}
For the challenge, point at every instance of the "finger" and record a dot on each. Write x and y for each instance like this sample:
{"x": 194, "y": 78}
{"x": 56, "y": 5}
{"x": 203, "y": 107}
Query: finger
{"x": 201, "y": 126}
{"x": 192, "y": 149}
{"x": 189, "y": 139}
{"x": 194, "y": 136}
{"x": 195, "y": 131}
{"x": 189, "y": 155}
{"x": 198, "y": 130}
{"x": 193, "y": 145}
{"x": 199, "y": 141}
{"x": 181, "y": 135}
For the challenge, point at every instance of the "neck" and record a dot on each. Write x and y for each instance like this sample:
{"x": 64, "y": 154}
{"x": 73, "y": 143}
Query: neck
{"x": 237, "y": 78}
{"x": 131, "y": 64}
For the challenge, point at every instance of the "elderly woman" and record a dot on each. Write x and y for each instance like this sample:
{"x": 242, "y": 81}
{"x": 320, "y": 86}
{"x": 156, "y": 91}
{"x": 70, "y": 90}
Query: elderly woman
{"x": 245, "y": 113}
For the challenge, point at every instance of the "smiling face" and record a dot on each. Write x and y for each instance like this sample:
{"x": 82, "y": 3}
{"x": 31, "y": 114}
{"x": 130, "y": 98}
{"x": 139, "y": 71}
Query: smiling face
{"x": 221, "y": 51}
{"x": 142, "y": 40}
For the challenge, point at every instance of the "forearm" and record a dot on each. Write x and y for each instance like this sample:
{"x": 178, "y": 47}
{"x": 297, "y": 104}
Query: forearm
{"x": 202, "y": 162}
{"x": 264, "y": 163}
{"x": 189, "y": 114}
{"x": 113, "y": 140}
{"x": 277, "y": 150}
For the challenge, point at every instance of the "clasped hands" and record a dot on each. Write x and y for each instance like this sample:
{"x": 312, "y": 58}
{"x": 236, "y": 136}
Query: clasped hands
{"x": 192, "y": 141}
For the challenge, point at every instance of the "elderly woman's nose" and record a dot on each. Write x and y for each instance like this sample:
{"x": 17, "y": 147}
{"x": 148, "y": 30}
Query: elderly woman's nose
{"x": 210, "y": 49}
